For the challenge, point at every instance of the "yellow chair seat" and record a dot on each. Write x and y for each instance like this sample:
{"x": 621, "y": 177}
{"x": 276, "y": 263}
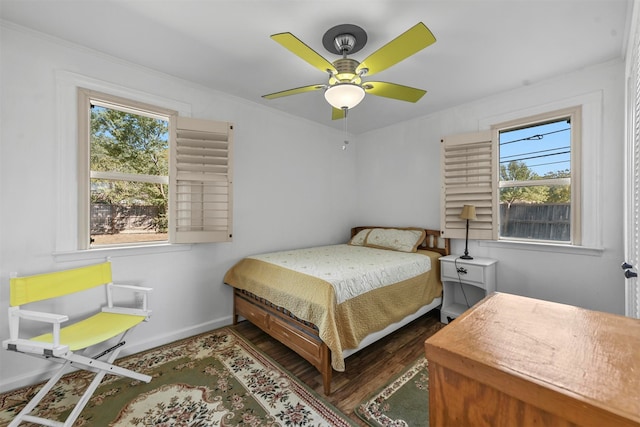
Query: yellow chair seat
{"x": 94, "y": 330}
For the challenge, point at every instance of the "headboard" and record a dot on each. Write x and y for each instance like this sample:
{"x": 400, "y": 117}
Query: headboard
{"x": 433, "y": 242}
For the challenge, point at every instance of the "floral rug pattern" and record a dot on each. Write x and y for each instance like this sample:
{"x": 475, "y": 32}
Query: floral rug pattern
{"x": 214, "y": 379}
{"x": 403, "y": 401}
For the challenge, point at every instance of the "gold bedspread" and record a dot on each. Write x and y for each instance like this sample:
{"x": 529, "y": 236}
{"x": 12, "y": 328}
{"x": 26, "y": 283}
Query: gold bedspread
{"x": 340, "y": 326}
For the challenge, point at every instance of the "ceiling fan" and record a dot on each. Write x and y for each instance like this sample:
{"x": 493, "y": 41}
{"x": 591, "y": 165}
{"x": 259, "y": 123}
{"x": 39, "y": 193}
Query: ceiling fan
{"x": 345, "y": 87}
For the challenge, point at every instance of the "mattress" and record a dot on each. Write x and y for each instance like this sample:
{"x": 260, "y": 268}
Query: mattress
{"x": 351, "y": 270}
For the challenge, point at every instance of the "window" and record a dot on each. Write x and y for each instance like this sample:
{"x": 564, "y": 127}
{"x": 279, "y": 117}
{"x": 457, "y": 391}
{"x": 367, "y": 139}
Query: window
{"x": 523, "y": 177}
{"x": 148, "y": 175}
{"x": 537, "y": 178}
{"x": 129, "y": 175}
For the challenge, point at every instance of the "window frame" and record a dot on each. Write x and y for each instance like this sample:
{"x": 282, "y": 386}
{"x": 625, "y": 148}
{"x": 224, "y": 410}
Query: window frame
{"x": 85, "y": 98}
{"x": 574, "y": 114}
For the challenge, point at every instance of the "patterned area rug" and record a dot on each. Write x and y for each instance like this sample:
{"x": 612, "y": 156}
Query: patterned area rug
{"x": 403, "y": 401}
{"x": 214, "y": 379}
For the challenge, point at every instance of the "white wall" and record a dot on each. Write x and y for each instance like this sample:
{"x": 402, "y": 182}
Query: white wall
{"x": 399, "y": 182}
{"x": 294, "y": 186}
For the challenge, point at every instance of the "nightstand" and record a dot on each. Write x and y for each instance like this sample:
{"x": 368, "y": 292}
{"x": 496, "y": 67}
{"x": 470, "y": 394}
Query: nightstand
{"x": 464, "y": 283}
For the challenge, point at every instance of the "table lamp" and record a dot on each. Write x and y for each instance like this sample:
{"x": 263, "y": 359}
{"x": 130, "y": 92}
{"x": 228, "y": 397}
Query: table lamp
{"x": 468, "y": 213}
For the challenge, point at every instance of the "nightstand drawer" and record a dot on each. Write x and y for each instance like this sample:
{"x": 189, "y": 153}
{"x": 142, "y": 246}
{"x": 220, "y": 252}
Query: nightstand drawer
{"x": 468, "y": 273}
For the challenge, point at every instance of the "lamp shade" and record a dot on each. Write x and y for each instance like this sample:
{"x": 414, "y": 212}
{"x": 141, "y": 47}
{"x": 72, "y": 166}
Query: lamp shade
{"x": 468, "y": 212}
{"x": 344, "y": 95}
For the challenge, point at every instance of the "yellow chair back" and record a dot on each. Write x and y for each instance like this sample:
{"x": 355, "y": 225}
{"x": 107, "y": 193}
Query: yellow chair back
{"x": 24, "y": 290}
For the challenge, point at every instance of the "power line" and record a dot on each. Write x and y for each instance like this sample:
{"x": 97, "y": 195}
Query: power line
{"x": 536, "y": 157}
{"x": 535, "y": 152}
{"x": 546, "y": 164}
{"x": 535, "y": 137}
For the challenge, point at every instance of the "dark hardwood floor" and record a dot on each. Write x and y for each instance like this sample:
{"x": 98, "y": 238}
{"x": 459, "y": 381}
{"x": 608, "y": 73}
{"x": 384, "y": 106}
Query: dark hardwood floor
{"x": 365, "y": 372}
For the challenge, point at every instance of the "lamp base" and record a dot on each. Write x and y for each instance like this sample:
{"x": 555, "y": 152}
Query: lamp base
{"x": 466, "y": 244}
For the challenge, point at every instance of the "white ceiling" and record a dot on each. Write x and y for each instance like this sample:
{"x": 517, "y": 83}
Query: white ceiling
{"x": 483, "y": 47}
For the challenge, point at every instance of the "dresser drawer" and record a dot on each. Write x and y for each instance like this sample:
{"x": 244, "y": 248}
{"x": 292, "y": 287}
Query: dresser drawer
{"x": 468, "y": 272}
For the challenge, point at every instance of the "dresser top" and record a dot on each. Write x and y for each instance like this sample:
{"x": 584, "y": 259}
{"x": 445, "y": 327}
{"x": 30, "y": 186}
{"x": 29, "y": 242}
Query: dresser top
{"x": 551, "y": 349}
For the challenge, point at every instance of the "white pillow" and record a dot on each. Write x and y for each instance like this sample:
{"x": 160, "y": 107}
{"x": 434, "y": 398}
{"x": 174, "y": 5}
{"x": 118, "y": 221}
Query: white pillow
{"x": 358, "y": 239}
{"x": 397, "y": 239}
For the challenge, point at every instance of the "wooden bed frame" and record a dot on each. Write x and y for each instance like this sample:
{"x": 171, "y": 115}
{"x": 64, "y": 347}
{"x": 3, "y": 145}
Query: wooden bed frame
{"x": 297, "y": 334}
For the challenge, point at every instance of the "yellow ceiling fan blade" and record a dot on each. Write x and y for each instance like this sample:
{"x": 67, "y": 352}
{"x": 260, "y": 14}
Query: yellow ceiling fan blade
{"x": 295, "y": 91}
{"x": 394, "y": 91}
{"x": 297, "y": 47}
{"x": 408, "y": 43}
{"x": 337, "y": 113}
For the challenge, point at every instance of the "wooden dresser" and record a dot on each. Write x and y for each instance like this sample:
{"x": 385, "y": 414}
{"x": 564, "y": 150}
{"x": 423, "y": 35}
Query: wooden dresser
{"x": 516, "y": 361}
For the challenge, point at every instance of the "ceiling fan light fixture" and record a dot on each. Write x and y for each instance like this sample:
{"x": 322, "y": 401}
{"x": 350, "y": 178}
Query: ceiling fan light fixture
{"x": 344, "y": 95}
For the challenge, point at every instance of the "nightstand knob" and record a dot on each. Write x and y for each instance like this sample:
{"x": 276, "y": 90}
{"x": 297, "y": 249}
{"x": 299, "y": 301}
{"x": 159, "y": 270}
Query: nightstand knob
{"x": 461, "y": 270}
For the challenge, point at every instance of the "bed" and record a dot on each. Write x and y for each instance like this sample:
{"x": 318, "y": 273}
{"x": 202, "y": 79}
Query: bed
{"x": 328, "y": 302}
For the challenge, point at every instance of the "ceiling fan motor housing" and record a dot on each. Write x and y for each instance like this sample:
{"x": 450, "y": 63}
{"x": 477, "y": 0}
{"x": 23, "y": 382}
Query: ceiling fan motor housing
{"x": 346, "y": 68}
{"x": 346, "y": 65}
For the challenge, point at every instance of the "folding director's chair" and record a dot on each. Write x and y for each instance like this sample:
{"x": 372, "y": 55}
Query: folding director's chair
{"x": 63, "y": 343}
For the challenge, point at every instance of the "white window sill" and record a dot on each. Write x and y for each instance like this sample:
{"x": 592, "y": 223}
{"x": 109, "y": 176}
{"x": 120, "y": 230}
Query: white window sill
{"x": 541, "y": 247}
{"x": 116, "y": 251}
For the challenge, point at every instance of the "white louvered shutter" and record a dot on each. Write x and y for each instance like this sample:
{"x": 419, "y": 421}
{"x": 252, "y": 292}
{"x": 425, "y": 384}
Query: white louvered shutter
{"x": 200, "y": 177}
{"x": 469, "y": 177}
